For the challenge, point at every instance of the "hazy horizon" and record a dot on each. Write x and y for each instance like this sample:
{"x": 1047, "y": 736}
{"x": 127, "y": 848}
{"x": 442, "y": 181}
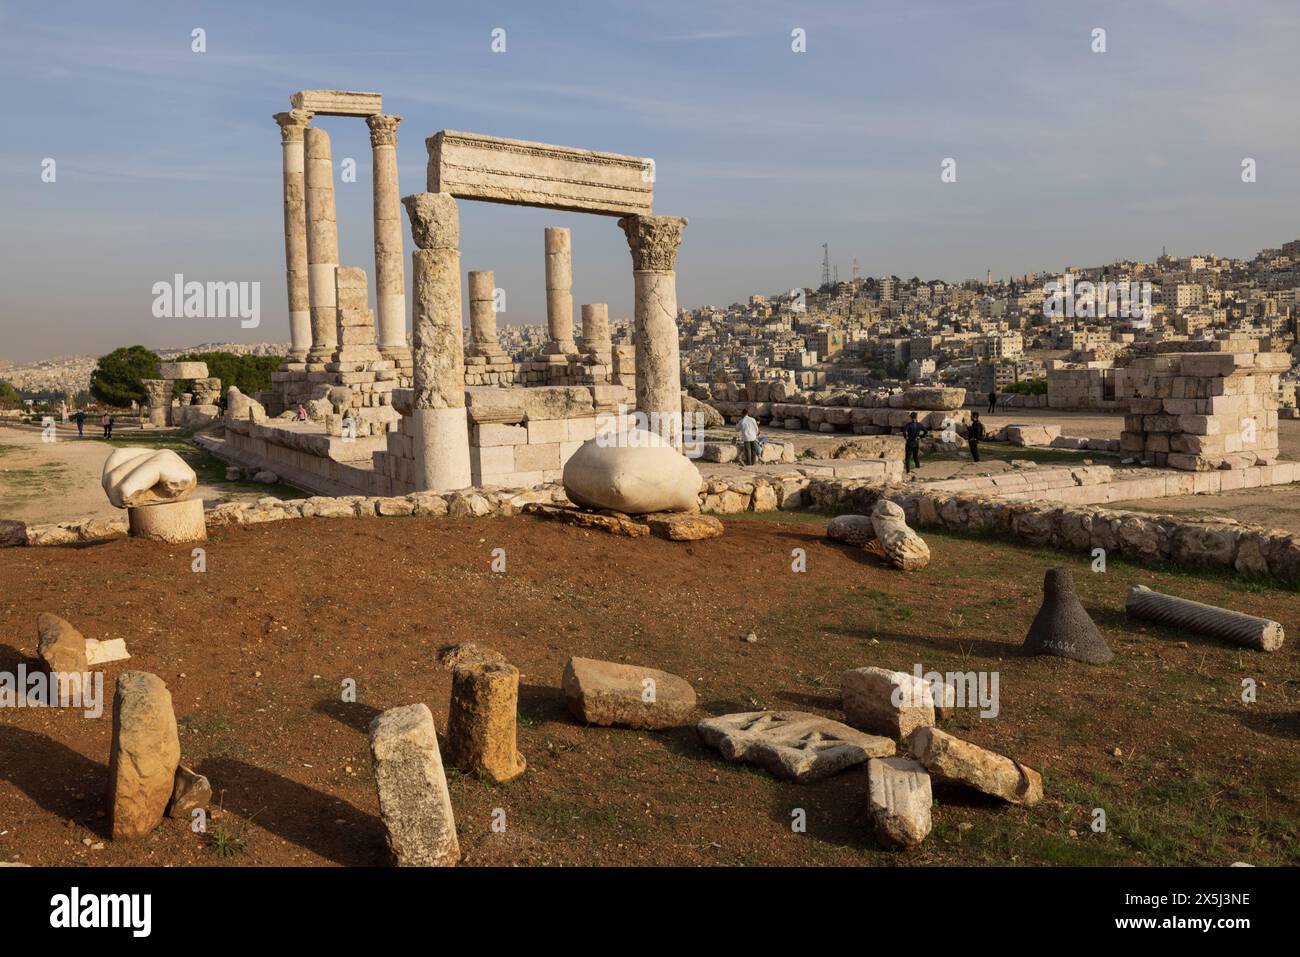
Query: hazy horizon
{"x": 168, "y": 161}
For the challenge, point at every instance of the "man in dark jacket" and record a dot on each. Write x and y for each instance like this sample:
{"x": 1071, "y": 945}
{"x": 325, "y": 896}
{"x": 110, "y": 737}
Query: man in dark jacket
{"x": 912, "y": 435}
{"x": 974, "y": 433}
{"x": 993, "y": 400}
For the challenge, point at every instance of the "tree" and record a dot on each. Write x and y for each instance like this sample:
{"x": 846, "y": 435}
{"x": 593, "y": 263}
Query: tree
{"x": 9, "y": 397}
{"x": 248, "y": 373}
{"x": 118, "y": 377}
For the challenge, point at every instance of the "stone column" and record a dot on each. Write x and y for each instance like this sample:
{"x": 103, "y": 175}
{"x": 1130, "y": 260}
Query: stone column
{"x": 483, "y": 314}
{"x": 441, "y": 426}
{"x": 322, "y": 245}
{"x": 390, "y": 275}
{"x": 293, "y": 125}
{"x": 653, "y": 241}
{"x": 160, "y": 401}
{"x": 595, "y": 329}
{"x": 559, "y": 292}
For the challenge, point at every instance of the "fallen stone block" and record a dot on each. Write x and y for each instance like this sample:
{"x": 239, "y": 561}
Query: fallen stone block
{"x": 898, "y": 790}
{"x": 143, "y": 757}
{"x": 413, "y": 799}
{"x": 614, "y": 524}
{"x": 953, "y": 760}
{"x": 62, "y": 649}
{"x": 684, "y": 526}
{"x": 105, "y": 652}
{"x": 890, "y": 702}
{"x": 190, "y": 792}
{"x": 609, "y": 693}
{"x": 792, "y": 745}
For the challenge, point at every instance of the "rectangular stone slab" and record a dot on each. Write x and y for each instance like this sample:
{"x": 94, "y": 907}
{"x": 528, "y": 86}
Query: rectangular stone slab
{"x": 521, "y": 173}
{"x": 793, "y": 745}
{"x": 338, "y": 102}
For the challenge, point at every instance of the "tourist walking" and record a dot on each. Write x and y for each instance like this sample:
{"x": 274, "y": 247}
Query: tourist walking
{"x": 749, "y": 449}
{"x": 302, "y": 412}
{"x": 103, "y": 421}
{"x": 913, "y": 432}
{"x": 974, "y": 434}
{"x": 81, "y": 424}
{"x": 108, "y": 429}
{"x": 993, "y": 400}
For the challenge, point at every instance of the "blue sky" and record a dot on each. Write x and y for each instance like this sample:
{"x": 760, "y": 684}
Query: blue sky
{"x": 169, "y": 161}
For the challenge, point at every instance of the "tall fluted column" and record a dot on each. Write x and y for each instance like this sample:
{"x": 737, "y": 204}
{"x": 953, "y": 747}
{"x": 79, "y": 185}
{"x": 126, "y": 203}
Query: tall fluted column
{"x": 390, "y": 275}
{"x": 483, "y": 314}
{"x": 292, "y": 126}
{"x": 595, "y": 329}
{"x": 441, "y": 426}
{"x": 559, "y": 292}
{"x": 322, "y": 245}
{"x": 653, "y": 241}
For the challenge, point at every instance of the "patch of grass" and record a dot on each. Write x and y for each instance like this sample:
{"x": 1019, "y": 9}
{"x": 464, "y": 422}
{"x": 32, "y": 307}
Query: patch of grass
{"x": 223, "y": 843}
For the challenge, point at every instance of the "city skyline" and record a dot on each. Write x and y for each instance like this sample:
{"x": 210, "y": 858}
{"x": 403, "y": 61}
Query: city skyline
{"x": 168, "y": 170}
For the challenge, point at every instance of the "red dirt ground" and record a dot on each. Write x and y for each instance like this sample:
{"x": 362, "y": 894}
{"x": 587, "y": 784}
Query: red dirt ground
{"x": 254, "y": 652}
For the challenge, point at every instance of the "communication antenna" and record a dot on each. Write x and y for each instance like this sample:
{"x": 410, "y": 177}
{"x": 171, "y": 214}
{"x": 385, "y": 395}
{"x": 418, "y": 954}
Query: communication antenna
{"x": 826, "y": 264}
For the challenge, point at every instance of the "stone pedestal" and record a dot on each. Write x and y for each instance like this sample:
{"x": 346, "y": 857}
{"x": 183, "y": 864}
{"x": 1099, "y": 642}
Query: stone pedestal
{"x": 175, "y": 522}
{"x": 559, "y": 292}
{"x": 390, "y": 277}
{"x": 160, "y": 401}
{"x": 653, "y": 241}
{"x": 322, "y": 244}
{"x": 441, "y": 427}
{"x": 293, "y": 126}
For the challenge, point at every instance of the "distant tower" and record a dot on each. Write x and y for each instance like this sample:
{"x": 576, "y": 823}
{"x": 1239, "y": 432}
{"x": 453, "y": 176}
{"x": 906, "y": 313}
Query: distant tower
{"x": 988, "y": 277}
{"x": 836, "y": 271}
{"x": 826, "y": 264}
{"x": 855, "y": 270}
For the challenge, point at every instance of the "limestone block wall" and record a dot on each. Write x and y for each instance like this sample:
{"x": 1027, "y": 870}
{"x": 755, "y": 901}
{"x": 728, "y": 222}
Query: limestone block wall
{"x": 1205, "y": 410}
{"x": 1084, "y": 389}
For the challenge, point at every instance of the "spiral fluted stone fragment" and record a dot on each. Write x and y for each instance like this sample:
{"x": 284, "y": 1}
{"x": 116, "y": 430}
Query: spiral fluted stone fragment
{"x": 1234, "y": 626}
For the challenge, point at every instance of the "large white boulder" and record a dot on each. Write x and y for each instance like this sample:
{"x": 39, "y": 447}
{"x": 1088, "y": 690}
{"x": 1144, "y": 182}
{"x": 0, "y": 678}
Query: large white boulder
{"x": 632, "y": 471}
{"x": 136, "y": 476}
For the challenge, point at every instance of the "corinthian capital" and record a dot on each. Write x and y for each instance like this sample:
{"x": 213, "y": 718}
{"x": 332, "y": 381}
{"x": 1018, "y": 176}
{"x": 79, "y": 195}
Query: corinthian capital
{"x": 653, "y": 241}
{"x": 293, "y": 124}
{"x": 383, "y": 129}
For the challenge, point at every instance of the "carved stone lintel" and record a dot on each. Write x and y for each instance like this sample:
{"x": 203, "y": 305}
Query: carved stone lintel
{"x": 435, "y": 220}
{"x": 293, "y": 124}
{"x": 653, "y": 241}
{"x": 383, "y": 129}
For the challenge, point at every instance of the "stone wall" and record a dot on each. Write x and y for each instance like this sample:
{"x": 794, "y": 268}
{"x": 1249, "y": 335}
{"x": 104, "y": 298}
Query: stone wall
{"x": 1193, "y": 543}
{"x": 1203, "y": 410}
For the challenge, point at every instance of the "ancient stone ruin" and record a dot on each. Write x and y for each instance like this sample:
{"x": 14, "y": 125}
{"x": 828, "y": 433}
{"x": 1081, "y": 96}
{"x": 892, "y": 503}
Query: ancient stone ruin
{"x": 443, "y": 414}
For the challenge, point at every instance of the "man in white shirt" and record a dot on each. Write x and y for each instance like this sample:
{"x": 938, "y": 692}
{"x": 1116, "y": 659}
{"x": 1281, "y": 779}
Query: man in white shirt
{"x": 748, "y": 428}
